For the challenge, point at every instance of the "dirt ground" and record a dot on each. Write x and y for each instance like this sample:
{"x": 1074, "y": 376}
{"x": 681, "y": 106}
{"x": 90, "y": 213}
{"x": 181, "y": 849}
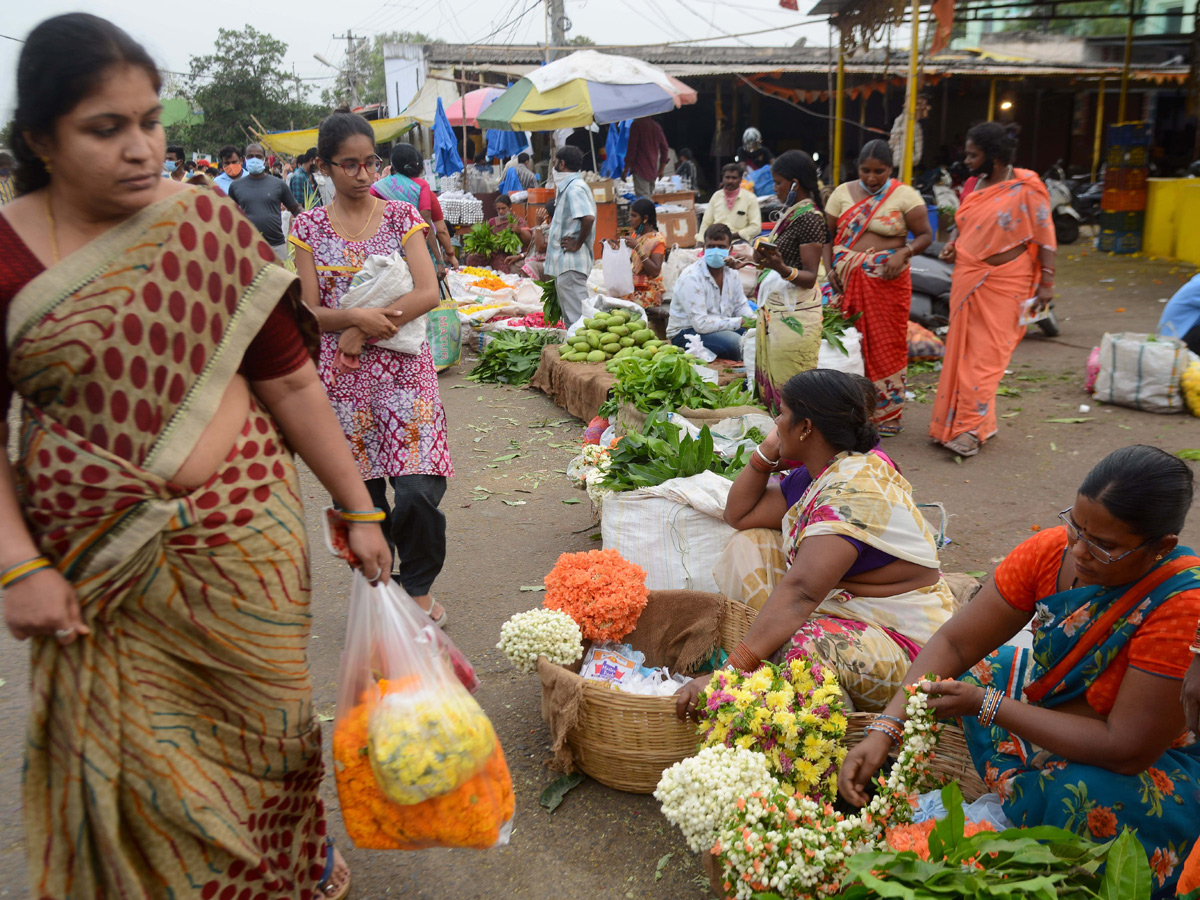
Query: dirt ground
{"x": 508, "y": 524}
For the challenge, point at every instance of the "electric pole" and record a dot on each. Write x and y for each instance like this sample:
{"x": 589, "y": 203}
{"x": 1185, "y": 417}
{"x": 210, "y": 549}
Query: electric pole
{"x": 352, "y": 65}
{"x": 559, "y": 26}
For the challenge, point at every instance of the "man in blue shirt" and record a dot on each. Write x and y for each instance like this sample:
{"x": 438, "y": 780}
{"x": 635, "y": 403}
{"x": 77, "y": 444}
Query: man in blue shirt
{"x": 569, "y": 256}
{"x": 231, "y": 167}
{"x": 758, "y": 171}
{"x": 1181, "y": 318}
{"x": 301, "y": 183}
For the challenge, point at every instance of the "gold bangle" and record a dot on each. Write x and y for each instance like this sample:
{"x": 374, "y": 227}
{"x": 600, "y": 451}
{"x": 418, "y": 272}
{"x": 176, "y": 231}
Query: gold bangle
{"x": 375, "y": 515}
{"x": 23, "y": 570}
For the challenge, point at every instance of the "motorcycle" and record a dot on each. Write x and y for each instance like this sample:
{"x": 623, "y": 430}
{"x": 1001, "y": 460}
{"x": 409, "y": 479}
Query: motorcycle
{"x": 1067, "y": 220}
{"x": 1085, "y": 197}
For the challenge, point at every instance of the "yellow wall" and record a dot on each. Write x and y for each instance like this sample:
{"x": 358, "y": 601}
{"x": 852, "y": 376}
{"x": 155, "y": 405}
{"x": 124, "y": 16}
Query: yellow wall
{"x": 1162, "y": 208}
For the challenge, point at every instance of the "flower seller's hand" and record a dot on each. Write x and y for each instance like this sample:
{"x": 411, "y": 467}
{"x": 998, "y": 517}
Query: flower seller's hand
{"x": 863, "y": 761}
{"x": 687, "y": 697}
{"x": 952, "y": 699}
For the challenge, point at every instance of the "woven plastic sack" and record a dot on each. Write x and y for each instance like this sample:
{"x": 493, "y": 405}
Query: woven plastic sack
{"x": 677, "y": 260}
{"x": 1141, "y": 371}
{"x": 850, "y": 362}
{"x": 416, "y": 760}
{"x": 443, "y": 330}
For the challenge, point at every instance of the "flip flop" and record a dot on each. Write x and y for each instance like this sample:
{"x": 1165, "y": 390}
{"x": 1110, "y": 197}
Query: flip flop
{"x": 323, "y": 885}
{"x": 964, "y": 445}
{"x": 440, "y": 621}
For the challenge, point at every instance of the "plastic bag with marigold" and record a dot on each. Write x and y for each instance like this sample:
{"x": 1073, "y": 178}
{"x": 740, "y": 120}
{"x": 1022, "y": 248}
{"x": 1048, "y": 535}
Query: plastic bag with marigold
{"x": 601, "y": 590}
{"x": 416, "y": 760}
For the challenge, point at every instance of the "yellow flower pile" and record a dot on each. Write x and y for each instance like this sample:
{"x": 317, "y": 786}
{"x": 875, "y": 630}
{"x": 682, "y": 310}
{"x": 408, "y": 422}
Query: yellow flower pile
{"x": 476, "y": 271}
{"x": 1191, "y": 387}
{"x": 792, "y": 714}
{"x": 422, "y": 744}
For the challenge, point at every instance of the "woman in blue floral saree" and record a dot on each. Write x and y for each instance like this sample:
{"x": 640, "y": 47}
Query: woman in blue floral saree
{"x": 1084, "y": 731}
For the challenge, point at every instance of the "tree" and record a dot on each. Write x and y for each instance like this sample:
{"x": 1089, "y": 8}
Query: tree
{"x": 6, "y": 134}
{"x": 372, "y": 87}
{"x": 241, "y": 81}
{"x": 581, "y": 40}
{"x": 1034, "y": 19}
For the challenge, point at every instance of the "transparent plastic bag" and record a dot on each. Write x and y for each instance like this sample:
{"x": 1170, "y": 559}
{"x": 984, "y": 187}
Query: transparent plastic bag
{"x": 416, "y": 759}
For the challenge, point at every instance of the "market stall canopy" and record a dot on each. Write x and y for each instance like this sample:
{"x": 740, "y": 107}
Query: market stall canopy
{"x": 446, "y": 160}
{"x": 293, "y": 143}
{"x": 584, "y": 88}
{"x": 505, "y": 144}
{"x": 423, "y": 106}
{"x": 466, "y": 109}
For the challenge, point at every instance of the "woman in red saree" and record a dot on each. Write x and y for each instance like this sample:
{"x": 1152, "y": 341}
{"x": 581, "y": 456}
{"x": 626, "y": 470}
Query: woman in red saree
{"x": 1003, "y": 257}
{"x": 154, "y": 546}
{"x": 868, "y": 265}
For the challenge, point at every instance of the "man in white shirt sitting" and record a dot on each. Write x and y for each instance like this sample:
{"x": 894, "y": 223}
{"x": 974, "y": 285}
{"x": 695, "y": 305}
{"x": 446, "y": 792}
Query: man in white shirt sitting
{"x": 734, "y": 206}
{"x": 708, "y": 299}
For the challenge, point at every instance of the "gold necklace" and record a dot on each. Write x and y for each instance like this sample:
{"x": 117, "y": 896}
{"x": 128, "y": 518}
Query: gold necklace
{"x": 53, "y": 236}
{"x": 346, "y": 231}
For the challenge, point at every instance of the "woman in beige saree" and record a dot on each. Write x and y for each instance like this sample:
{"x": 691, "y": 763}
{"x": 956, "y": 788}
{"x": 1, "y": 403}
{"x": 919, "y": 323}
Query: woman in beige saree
{"x": 155, "y": 548}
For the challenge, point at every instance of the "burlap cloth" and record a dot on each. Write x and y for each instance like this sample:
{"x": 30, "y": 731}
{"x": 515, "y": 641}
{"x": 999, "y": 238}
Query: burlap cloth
{"x": 677, "y": 629}
{"x": 579, "y": 388}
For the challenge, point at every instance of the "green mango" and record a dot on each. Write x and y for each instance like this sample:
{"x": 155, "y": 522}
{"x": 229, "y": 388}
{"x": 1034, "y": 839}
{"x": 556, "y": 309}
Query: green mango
{"x": 596, "y": 356}
{"x": 627, "y": 342}
{"x": 643, "y": 335}
{"x": 620, "y": 314}
{"x": 624, "y": 352}
{"x": 643, "y": 353}
{"x": 609, "y": 338}
{"x": 593, "y": 340}
{"x": 621, "y": 330}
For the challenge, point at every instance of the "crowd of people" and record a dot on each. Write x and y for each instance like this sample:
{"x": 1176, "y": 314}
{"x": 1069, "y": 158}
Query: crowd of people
{"x": 154, "y": 522}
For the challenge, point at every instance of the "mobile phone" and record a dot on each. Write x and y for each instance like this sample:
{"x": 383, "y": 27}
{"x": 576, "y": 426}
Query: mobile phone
{"x": 764, "y": 243}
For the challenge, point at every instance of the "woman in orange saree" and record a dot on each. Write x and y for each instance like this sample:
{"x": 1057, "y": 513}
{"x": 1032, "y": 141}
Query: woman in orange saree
{"x": 154, "y": 544}
{"x": 1003, "y": 257}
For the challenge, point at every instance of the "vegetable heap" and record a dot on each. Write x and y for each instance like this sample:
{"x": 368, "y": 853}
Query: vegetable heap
{"x": 512, "y": 356}
{"x": 661, "y": 453}
{"x": 834, "y": 323}
{"x": 480, "y": 240}
{"x": 508, "y": 241}
{"x": 613, "y": 335}
{"x": 670, "y": 381}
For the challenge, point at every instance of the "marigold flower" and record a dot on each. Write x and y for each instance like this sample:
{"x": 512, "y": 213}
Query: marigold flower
{"x": 599, "y": 589}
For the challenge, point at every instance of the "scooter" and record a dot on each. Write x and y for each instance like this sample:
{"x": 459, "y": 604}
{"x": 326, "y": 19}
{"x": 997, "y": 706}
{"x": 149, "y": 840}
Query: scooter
{"x": 1067, "y": 220}
{"x": 1085, "y": 197}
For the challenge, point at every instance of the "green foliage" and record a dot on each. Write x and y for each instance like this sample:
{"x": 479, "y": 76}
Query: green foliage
{"x": 581, "y": 40}
{"x": 481, "y": 240}
{"x": 661, "y": 453}
{"x": 241, "y": 80}
{"x": 508, "y": 241}
{"x": 369, "y": 74}
{"x": 834, "y": 324}
{"x": 512, "y": 356}
{"x": 551, "y": 310}
{"x": 6, "y": 135}
{"x": 1028, "y": 19}
{"x": 669, "y": 382}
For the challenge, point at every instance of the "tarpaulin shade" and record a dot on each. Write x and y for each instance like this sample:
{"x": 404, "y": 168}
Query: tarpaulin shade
{"x": 293, "y": 143}
{"x": 615, "y": 149}
{"x": 446, "y": 160}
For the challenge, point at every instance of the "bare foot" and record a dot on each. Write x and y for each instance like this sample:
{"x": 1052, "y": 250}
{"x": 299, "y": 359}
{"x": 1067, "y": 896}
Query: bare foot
{"x": 339, "y": 880}
{"x": 434, "y": 609}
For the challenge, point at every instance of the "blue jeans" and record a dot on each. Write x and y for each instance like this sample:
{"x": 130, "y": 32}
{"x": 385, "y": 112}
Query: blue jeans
{"x": 726, "y": 344}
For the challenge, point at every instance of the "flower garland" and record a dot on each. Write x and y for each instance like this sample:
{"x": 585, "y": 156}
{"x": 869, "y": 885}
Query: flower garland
{"x": 599, "y": 589}
{"x": 697, "y": 793}
{"x": 540, "y": 632}
{"x": 588, "y": 470}
{"x": 793, "y": 714}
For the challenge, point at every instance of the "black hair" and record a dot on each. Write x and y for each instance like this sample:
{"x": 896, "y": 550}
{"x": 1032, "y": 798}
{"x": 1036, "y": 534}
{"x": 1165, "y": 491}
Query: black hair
{"x": 760, "y": 157}
{"x": 731, "y": 167}
{"x": 336, "y": 128}
{"x": 646, "y": 209}
{"x": 227, "y": 151}
{"x": 572, "y": 158}
{"x": 177, "y": 150}
{"x": 876, "y": 149}
{"x": 837, "y": 404}
{"x": 406, "y": 160}
{"x": 246, "y": 150}
{"x": 63, "y": 60}
{"x": 686, "y": 153}
{"x": 481, "y": 157}
{"x": 523, "y": 157}
{"x": 549, "y": 206}
{"x": 505, "y": 199}
{"x": 798, "y": 166}
{"x": 997, "y": 141}
{"x": 1148, "y": 489}
{"x": 6, "y": 158}
{"x": 718, "y": 230}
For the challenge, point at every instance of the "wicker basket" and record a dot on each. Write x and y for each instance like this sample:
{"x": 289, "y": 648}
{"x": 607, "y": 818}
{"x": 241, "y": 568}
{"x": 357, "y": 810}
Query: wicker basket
{"x": 952, "y": 762}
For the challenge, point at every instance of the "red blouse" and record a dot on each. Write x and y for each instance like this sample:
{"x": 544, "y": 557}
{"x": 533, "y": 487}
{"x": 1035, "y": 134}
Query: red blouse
{"x": 277, "y": 350}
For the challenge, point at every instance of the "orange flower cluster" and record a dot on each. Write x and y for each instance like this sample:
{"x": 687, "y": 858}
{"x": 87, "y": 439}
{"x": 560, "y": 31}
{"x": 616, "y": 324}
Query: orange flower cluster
{"x": 473, "y": 815}
{"x": 915, "y": 838}
{"x": 490, "y": 283}
{"x": 601, "y": 590}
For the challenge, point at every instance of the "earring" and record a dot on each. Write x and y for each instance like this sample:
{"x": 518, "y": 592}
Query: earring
{"x": 46, "y": 164}
{"x": 1158, "y": 557}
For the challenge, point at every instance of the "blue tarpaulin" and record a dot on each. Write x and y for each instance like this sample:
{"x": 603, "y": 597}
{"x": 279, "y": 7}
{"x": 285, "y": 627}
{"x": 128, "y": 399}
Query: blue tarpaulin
{"x": 510, "y": 183}
{"x": 615, "y": 149}
{"x": 446, "y": 160}
{"x": 505, "y": 144}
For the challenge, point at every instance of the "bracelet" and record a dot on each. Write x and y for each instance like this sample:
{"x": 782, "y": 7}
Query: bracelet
{"x": 992, "y": 698}
{"x": 885, "y": 728}
{"x": 899, "y": 722}
{"x": 374, "y": 515}
{"x": 761, "y": 468}
{"x": 774, "y": 464}
{"x": 743, "y": 659}
{"x": 23, "y": 570}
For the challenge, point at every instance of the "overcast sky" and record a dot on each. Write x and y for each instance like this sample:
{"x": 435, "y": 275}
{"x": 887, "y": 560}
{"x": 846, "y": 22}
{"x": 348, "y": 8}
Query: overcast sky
{"x": 173, "y": 32}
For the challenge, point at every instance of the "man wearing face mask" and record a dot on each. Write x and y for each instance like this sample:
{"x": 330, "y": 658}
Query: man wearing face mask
{"x": 709, "y": 300}
{"x": 231, "y": 168}
{"x": 260, "y": 195}
{"x": 8, "y": 187}
{"x": 733, "y": 206}
{"x": 175, "y": 166}
{"x": 569, "y": 254}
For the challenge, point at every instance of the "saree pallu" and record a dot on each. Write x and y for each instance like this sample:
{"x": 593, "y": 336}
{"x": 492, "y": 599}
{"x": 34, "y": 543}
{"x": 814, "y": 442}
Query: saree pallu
{"x": 1079, "y": 633}
{"x": 172, "y": 753}
{"x": 647, "y": 291}
{"x": 787, "y": 336}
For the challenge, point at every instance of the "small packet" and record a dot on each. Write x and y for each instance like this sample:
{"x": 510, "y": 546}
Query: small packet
{"x": 609, "y": 662}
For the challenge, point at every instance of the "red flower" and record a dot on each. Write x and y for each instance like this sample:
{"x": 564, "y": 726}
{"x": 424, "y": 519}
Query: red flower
{"x": 600, "y": 590}
{"x": 1102, "y": 822}
{"x": 1162, "y": 781}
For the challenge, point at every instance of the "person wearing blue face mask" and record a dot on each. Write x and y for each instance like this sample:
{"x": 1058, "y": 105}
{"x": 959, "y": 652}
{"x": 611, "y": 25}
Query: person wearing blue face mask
{"x": 261, "y": 197}
{"x": 173, "y": 166}
{"x": 708, "y": 299}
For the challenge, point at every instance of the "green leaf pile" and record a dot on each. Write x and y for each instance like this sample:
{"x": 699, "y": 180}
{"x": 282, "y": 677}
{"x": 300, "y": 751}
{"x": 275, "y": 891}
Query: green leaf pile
{"x": 481, "y": 240}
{"x": 662, "y": 452}
{"x": 669, "y": 382}
{"x": 512, "y": 356}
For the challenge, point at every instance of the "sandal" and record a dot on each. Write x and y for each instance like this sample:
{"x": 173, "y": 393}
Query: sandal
{"x": 440, "y": 621}
{"x": 327, "y": 889}
{"x": 965, "y": 445}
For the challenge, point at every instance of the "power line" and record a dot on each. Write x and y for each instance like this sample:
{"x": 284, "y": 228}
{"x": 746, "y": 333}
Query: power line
{"x": 536, "y": 4}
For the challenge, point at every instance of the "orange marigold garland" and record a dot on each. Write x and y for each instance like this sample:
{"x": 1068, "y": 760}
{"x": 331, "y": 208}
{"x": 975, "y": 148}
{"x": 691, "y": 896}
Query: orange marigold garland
{"x": 599, "y": 589}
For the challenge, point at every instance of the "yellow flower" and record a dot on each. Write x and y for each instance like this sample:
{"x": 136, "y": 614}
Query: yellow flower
{"x": 807, "y": 772}
{"x": 761, "y": 680}
{"x": 745, "y": 742}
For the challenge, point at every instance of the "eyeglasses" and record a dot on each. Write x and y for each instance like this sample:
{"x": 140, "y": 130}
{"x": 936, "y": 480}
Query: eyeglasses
{"x": 351, "y": 168}
{"x": 1099, "y": 553}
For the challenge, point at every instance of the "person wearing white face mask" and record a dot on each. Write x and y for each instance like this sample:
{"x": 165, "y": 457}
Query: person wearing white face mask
{"x": 708, "y": 299}
{"x": 260, "y": 196}
{"x": 569, "y": 255}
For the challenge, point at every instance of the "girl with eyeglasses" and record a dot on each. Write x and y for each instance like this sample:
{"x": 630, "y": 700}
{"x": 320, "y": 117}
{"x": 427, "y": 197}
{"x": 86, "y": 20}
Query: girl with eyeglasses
{"x": 1084, "y": 731}
{"x": 387, "y": 402}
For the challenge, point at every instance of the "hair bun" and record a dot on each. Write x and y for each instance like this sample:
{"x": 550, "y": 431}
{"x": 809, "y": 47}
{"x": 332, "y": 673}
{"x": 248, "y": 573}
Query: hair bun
{"x": 866, "y": 436}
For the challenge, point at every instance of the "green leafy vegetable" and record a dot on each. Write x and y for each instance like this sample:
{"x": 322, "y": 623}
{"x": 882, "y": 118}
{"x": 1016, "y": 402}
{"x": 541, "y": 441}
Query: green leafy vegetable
{"x": 662, "y": 452}
{"x": 668, "y": 382}
{"x": 512, "y": 356}
{"x": 834, "y": 324}
{"x": 553, "y": 795}
{"x": 481, "y": 240}
{"x": 551, "y": 311}
{"x": 508, "y": 241}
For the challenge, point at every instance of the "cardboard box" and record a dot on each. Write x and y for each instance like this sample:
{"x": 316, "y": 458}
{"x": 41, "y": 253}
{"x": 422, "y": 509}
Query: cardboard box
{"x": 603, "y": 191}
{"x": 678, "y": 228}
{"x": 686, "y": 199}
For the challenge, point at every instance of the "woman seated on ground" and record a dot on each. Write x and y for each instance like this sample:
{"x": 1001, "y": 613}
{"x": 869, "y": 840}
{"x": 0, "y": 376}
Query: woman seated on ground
{"x": 504, "y": 220}
{"x": 649, "y": 248}
{"x": 859, "y": 584}
{"x": 1085, "y": 731}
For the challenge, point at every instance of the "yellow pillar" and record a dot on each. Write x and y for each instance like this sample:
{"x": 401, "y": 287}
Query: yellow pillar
{"x": 1125, "y": 66}
{"x": 1098, "y": 139}
{"x": 991, "y": 116}
{"x": 910, "y": 124}
{"x": 839, "y": 114}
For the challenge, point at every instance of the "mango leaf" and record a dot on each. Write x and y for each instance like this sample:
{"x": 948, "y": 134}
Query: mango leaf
{"x": 1126, "y": 872}
{"x": 948, "y": 833}
{"x": 553, "y": 795}
{"x": 795, "y": 324}
{"x": 976, "y": 573}
{"x": 662, "y": 864}
{"x": 1070, "y": 420}
{"x": 572, "y": 501}
{"x": 1189, "y": 454}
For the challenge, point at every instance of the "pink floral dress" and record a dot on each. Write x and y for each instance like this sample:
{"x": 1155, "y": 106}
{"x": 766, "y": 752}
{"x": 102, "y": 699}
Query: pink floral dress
{"x": 389, "y": 407}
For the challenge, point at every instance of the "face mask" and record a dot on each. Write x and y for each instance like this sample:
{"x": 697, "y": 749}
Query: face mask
{"x": 170, "y": 165}
{"x": 871, "y": 193}
{"x": 256, "y": 166}
{"x": 791, "y": 197}
{"x": 560, "y": 177}
{"x": 234, "y": 170}
{"x": 714, "y": 257}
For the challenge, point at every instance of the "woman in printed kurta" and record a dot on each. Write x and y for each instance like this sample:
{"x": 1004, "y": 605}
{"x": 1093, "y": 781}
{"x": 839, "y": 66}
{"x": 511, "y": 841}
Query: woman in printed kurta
{"x": 163, "y": 374}
{"x": 1088, "y": 733}
{"x": 387, "y": 402}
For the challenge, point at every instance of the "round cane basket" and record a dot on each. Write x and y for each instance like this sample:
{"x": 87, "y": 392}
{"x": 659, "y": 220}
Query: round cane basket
{"x": 626, "y": 741}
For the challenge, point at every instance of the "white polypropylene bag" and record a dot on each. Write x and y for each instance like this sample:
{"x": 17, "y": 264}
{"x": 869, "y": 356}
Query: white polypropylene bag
{"x": 1142, "y": 371}
{"x": 381, "y": 282}
{"x": 850, "y": 362}
{"x": 617, "y": 265}
{"x": 673, "y": 530}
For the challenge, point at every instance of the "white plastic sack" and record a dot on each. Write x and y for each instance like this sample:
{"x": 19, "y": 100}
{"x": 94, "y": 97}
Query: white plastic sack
{"x": 1141, "y": 371}
{"x": 618, "y": 270}
{"x": 381, "y": 282}
{"x": 695, "y": 347}
{"x": 677, "y": 260}
{"x": 850, "y": 362}
{"x": 673, "y": 530}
